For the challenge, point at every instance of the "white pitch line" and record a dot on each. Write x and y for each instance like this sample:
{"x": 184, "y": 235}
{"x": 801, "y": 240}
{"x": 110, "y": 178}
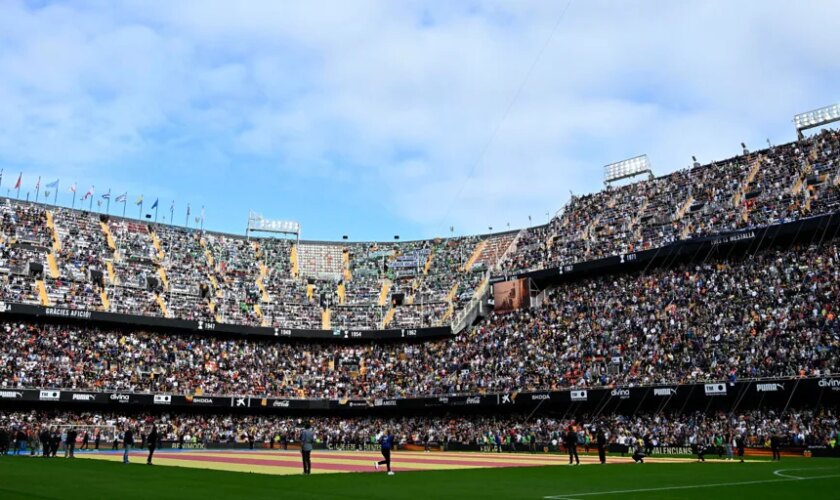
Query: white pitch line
{"x": 574, "y": 496}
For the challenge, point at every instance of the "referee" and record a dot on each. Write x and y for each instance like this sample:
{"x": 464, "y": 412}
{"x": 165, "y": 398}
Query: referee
{"x": 307, "y": 439}
{"x": 387, "y": 443}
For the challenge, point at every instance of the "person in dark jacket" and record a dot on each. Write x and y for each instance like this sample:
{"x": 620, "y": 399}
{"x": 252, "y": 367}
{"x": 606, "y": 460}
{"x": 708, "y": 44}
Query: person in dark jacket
{"x": 740, "y": 444}
{"x": 85, "y": 440}
{"x": 55, "y": 442}
{"x": 46, "y": 442}
{"x": 70, "y": 442}
{"x": 601, "y": 441}
{"x": 152, "y": 440}
{"x": 775, "y": 446}
{"x": 128, "y": 442}
{"x": 307, "y": 441}
{"x": 96, "y": 440}
{"x": 571, "y": 439}
{"x": 386, "y": 442}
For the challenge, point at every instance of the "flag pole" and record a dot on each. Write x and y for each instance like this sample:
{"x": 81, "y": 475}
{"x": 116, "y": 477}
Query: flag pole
{"x": 125, "y": 202}
{"x": 108, "y": 203}
{"x": 37, "y": 189}
{"x": 140, "y": 212}
{"x": 156, "y": 212}
{"x": 55, "y": 198}
{"x": 74, "y": 199}
{"x": 90, "y": 208}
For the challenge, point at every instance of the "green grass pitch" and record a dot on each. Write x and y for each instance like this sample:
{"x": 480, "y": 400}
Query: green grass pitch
{"x": 34, "y": 478}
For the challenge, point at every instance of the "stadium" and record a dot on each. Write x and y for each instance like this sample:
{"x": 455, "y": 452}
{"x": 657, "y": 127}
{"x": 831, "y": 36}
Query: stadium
{"x": 671, "y": 334}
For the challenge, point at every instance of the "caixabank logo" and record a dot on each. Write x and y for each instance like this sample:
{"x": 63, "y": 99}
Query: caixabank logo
{"x": 509, "y": 398}
{"x": 715, "y": 389}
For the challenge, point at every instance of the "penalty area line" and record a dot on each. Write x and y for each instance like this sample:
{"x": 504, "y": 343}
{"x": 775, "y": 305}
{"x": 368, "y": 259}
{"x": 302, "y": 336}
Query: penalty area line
{"x": 575, "y": 496}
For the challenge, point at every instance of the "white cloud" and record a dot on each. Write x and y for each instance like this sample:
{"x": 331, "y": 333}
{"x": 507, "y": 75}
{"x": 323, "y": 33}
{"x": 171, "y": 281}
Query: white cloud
{"x": 407, "y": 95}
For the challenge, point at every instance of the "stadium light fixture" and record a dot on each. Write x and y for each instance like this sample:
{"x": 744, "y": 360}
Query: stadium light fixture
{"x": 816, "y": 118}
{"x": 625, "y": 169}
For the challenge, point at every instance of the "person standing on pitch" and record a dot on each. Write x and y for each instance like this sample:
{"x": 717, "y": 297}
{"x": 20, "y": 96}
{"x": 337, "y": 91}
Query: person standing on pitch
{"x": 152, "y": 440}
{"x": 307, "y": 440}
{"x": 740, "y": 445}
{"x": 571, "y": 446}
{"x": 601, "y": 441}
{"x": 128, "y": 442}
{"x": 775, "y": 445}
{"x": 387, "y": 444}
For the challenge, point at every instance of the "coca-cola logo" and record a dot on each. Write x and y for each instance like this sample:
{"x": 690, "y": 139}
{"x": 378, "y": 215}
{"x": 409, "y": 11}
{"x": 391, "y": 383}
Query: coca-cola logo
{"x": 281, "y": 404}
{"x": 475, "y": 400}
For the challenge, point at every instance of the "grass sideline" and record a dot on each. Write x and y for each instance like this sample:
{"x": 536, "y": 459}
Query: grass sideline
{"x": 32, "y": 478}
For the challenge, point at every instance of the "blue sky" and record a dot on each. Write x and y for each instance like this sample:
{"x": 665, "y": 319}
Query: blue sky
{"x": 375, "y": 118}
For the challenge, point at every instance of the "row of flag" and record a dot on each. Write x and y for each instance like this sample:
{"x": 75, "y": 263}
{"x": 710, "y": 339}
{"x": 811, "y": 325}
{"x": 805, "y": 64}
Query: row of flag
{"x": 53, "y": 188}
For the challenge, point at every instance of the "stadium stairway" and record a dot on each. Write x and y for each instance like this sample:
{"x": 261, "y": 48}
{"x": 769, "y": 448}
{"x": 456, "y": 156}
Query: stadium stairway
{"x": 259, "y": 313}
{"x": 428, "y": 264}
{"x": 475, "y": 255}
{"x": 325, "y": 319}
{"x": 446, "y": 315}
{"x": 109, "y": 237}
{"x": 389, "y": 316}
{"x": 53, "y": 265}
{"x": 51, "y": 225}
{"x": 293, "y": 259}
{"x": 156, "y": 244}
{"x": 452, "y": 292}
{"x": 341, "y": 291}
{"x": 684, "y": 208}
{"x": 263, "y": 292}
{"x": 163, "y": 278}
{"x": 383, "y": 293}
{"x": 42, "y": 293}
{"x": 112, "y": 274}
{"x": 162, "y": 306}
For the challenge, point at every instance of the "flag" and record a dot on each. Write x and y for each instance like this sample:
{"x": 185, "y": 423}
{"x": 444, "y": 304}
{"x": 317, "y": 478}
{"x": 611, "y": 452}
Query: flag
{"x": 155, "y": 204}
{"x": 139, "y": 200}
{"x": 88, "y": 194}
{"x": 72, "y": 188}
{"x": 106, "y": 196}
{"x": 52, "y": 185}
{"x": 121, "y": 198}
{"x": 20, "y": 178}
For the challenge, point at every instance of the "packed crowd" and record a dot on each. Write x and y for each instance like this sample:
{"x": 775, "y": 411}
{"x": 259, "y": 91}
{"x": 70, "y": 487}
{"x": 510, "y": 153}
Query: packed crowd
{"x": 139, "y": 268}
{"x": 774, "y": 185}
{"x": 508, "y": 433}
{"x": 763, "y": 315}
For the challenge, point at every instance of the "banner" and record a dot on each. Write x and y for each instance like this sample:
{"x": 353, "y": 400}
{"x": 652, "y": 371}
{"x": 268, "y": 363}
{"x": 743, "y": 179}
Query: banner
{"x": 716, "y": 396}
{"x": 97, "y": 317}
